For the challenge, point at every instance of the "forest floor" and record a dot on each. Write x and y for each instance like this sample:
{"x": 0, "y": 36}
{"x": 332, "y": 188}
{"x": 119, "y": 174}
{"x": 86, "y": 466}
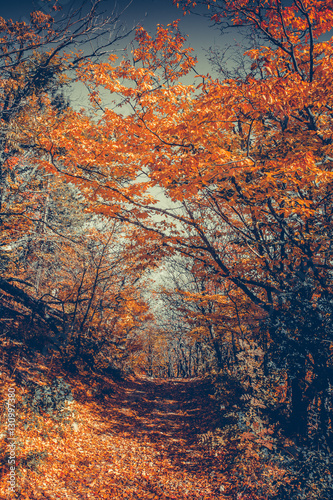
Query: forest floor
{"x": 141, "y": 441}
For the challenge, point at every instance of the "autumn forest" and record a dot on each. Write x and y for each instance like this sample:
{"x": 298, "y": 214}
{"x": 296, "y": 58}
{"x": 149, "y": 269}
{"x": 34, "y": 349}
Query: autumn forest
{"x": 166, "y": 255}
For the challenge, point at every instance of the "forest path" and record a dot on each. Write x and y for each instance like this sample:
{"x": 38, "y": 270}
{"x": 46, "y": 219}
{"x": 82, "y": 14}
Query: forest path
{"x": 138, "y": 442}
{"x": 160, "y": 421}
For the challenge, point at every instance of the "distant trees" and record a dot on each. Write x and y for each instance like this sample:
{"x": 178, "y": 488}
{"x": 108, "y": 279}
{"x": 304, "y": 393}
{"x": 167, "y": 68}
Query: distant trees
{"x": 207, "y": 320}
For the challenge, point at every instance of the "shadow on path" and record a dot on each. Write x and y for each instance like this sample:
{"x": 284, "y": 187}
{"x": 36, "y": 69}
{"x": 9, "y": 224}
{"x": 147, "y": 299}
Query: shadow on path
{"x": 169, "y": 414}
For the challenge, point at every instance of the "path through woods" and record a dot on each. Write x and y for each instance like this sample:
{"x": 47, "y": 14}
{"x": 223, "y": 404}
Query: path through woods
{"x": 139, "y": 443}
{"x": 160, "y": 421}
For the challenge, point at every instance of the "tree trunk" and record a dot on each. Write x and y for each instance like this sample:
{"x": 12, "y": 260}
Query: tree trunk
{"x": 299, "y": 409}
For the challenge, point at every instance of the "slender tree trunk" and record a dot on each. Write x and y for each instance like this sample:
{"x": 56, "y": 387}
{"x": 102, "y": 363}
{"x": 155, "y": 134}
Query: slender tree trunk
{"x": 299, "y": 408}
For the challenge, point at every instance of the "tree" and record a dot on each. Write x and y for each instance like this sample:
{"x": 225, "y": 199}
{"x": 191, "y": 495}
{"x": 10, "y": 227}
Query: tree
{"x": 249, "y": 158}
{"x": 37, "y": 61}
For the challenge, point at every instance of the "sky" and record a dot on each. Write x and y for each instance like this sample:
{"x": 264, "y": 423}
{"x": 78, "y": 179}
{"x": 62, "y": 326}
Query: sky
{"x": 148, "y": 13}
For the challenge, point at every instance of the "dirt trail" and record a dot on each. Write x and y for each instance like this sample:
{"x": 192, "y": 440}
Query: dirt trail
{"x": 166, "y": 417}
{"x": 158, "y": 408}
{"x": 138, "y": 443}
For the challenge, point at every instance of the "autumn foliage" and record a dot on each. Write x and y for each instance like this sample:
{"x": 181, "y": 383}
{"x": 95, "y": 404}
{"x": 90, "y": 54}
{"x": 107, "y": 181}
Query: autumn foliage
{"x": 223, "y": 186}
